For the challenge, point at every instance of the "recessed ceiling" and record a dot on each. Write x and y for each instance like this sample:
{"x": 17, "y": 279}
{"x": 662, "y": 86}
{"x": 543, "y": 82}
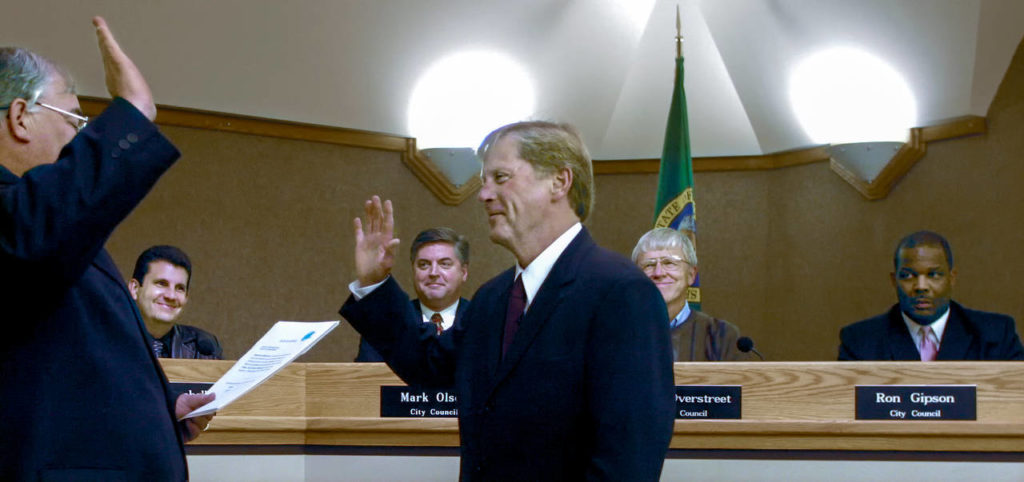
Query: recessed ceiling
{"x": 604, "y": 65}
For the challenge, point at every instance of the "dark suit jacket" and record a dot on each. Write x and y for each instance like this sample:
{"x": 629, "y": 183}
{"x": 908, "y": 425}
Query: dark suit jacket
{"x": 969, "y": 335}
{"x": 586, "y": 389}
{"x": 82, "y": 396}
{"x": 703, "y": 337}
{"x": 368, "y": 354}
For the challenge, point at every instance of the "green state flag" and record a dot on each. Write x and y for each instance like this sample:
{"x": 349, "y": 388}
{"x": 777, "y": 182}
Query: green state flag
{"x": 675, "y": 207}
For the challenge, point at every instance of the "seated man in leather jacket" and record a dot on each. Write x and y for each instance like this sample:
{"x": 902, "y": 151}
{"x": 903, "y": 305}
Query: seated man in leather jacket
{"x": 159, "y": 286}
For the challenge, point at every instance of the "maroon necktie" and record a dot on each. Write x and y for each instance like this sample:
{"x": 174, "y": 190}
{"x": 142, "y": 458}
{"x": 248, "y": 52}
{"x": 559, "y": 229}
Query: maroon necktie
{"x": 436, "y": 320}
{"x": 516, "y": 305}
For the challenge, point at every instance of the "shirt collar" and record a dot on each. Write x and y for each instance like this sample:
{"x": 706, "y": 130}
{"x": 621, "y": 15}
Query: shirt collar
{"x": 538, "y": 270}
{"x": 938, "y": 327}
{"x": 681, "y": 317}
{"x": 447, "y": 314}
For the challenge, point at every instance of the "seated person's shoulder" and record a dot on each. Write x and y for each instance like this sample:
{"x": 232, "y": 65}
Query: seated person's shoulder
{"x": 868, "y": 327}
{"x": 207, "y": 344}
{"x": 990, "y": 324}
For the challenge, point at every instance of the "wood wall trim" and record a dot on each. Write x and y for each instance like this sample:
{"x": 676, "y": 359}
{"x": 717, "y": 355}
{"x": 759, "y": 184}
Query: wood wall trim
{"x": 450, "y": 194}
{"x": 424, "y": 169}
{"x": 777, "y": 160}
{"x": 909, "y": 154}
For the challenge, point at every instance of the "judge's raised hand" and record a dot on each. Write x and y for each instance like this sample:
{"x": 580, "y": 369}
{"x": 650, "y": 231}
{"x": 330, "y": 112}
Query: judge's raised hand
{"x": 375, "y": 242}
{"x": 123, "y": 78}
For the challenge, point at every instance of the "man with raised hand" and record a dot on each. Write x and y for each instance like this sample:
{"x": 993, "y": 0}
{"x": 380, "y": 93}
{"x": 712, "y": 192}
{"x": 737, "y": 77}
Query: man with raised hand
{"x": 81, "y": 395}
{"x": 440, "y": 265}
{"x": 562, "y": 365}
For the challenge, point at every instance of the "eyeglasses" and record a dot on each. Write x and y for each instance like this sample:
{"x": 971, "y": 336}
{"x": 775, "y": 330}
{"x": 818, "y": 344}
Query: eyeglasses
{"x": 80, "y": 121}
{"x": 672, "y": 264}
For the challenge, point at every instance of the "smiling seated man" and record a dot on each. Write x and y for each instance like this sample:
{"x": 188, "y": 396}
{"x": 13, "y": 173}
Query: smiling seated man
{"x": 926, "y": 324}
{"x": 667, "y": 257}
{"x": 440, "y": 263}
{"x": 159, "y": 286}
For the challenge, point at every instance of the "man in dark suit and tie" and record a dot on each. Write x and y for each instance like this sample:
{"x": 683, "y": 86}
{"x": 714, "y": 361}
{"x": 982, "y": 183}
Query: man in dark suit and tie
{"x": 81, "y": 395}
{"x": 562, "y": 364}
{"x": 926, "y": 324}
{"x": 440, "y": 264}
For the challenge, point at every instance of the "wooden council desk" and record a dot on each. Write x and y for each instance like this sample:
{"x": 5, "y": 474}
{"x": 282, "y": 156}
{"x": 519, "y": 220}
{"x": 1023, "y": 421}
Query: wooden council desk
{"x": 785, "y": 406}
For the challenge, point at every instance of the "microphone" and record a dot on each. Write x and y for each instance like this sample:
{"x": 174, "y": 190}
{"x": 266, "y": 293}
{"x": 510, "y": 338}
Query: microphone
{"x": 746, "y": 345}
{"x": 205, "y": 347}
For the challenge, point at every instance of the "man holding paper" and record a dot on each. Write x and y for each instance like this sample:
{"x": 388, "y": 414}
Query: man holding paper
{"x": 82, "y": 397}
{"x": 562, "y": 364}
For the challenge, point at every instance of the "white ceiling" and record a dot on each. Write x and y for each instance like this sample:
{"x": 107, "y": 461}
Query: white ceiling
{"x": 354, "y": 63}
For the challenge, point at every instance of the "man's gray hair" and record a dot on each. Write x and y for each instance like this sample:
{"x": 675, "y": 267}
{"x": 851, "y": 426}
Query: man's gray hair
{"x": 25, "y": 75}
{"x": 661, "y": 239}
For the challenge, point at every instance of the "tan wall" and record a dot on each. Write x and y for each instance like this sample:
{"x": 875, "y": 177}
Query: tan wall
{"x": 790, "y": 255}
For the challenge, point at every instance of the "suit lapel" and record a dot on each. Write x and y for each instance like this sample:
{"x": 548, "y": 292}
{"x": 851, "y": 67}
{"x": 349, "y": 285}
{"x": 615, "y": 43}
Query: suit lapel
{"x": 956, "y": 339}
{"x": 105, "y": 264}
{"x": 901, "y": 345}
{"x": 552, "y": 292}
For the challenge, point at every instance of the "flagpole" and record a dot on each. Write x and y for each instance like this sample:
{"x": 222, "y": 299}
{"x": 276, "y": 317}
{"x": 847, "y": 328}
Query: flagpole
{"x": 679, "y": 35}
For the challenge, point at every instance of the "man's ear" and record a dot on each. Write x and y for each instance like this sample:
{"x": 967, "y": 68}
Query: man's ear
{"x": 561, "y": 182}
{"x": 692, "y": 274}
{"x": 133, "y": 288}
{"x": 16, "y": 120}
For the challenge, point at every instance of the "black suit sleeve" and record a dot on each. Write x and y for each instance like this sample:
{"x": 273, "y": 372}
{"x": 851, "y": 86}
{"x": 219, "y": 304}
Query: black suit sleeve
{"x": 630, "y": 383}
{"x": 55, "y": 220}
{"x": 386, "y": 319}
{"x": 845, "y": 352}
{"x": 1011, "y": 349}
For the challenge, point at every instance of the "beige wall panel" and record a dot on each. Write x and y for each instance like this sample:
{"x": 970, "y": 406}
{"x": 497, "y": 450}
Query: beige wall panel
{"x": 268, "y": 224}
{"x": 790, "y": 255}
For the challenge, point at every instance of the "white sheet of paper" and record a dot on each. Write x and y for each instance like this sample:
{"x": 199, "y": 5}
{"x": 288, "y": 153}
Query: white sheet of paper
{"x": 280, "y": 346}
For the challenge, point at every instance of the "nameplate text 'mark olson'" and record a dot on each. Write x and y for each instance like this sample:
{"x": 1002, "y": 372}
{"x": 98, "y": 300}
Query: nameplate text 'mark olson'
{"x": 917, "y": 402}
{"x": 400, "y": 401}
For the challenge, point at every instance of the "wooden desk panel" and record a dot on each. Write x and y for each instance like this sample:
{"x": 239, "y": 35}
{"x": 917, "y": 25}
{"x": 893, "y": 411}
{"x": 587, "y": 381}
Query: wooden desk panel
{"x": 786, "y": 406}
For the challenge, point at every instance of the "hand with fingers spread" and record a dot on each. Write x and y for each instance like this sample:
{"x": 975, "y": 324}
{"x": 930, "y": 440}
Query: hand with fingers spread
{"x": 375, "y": 242}
{"x": 123, "y": 77}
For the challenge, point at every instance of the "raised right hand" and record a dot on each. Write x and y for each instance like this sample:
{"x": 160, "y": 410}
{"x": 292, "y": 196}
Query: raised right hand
{"x": 375, "y": 242}
{"x": 123, "y": 77}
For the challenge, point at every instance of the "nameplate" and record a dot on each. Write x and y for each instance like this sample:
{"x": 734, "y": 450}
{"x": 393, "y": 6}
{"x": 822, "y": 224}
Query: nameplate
{"x": 415, "y": 402}
{"x": 917, "y": 402}
{"x": 708, "y": 401}
{"x": 178, "y": 388}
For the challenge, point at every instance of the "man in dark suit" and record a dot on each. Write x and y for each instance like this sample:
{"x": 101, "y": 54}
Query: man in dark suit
{"x": 926, "y": 325}
{"x": 668, "y": 258}
{"x": 160, "y": 284}
{"x": 81, "y": 395}
{"x": 562, "y": 364}
{"x": 440, "y": 264}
